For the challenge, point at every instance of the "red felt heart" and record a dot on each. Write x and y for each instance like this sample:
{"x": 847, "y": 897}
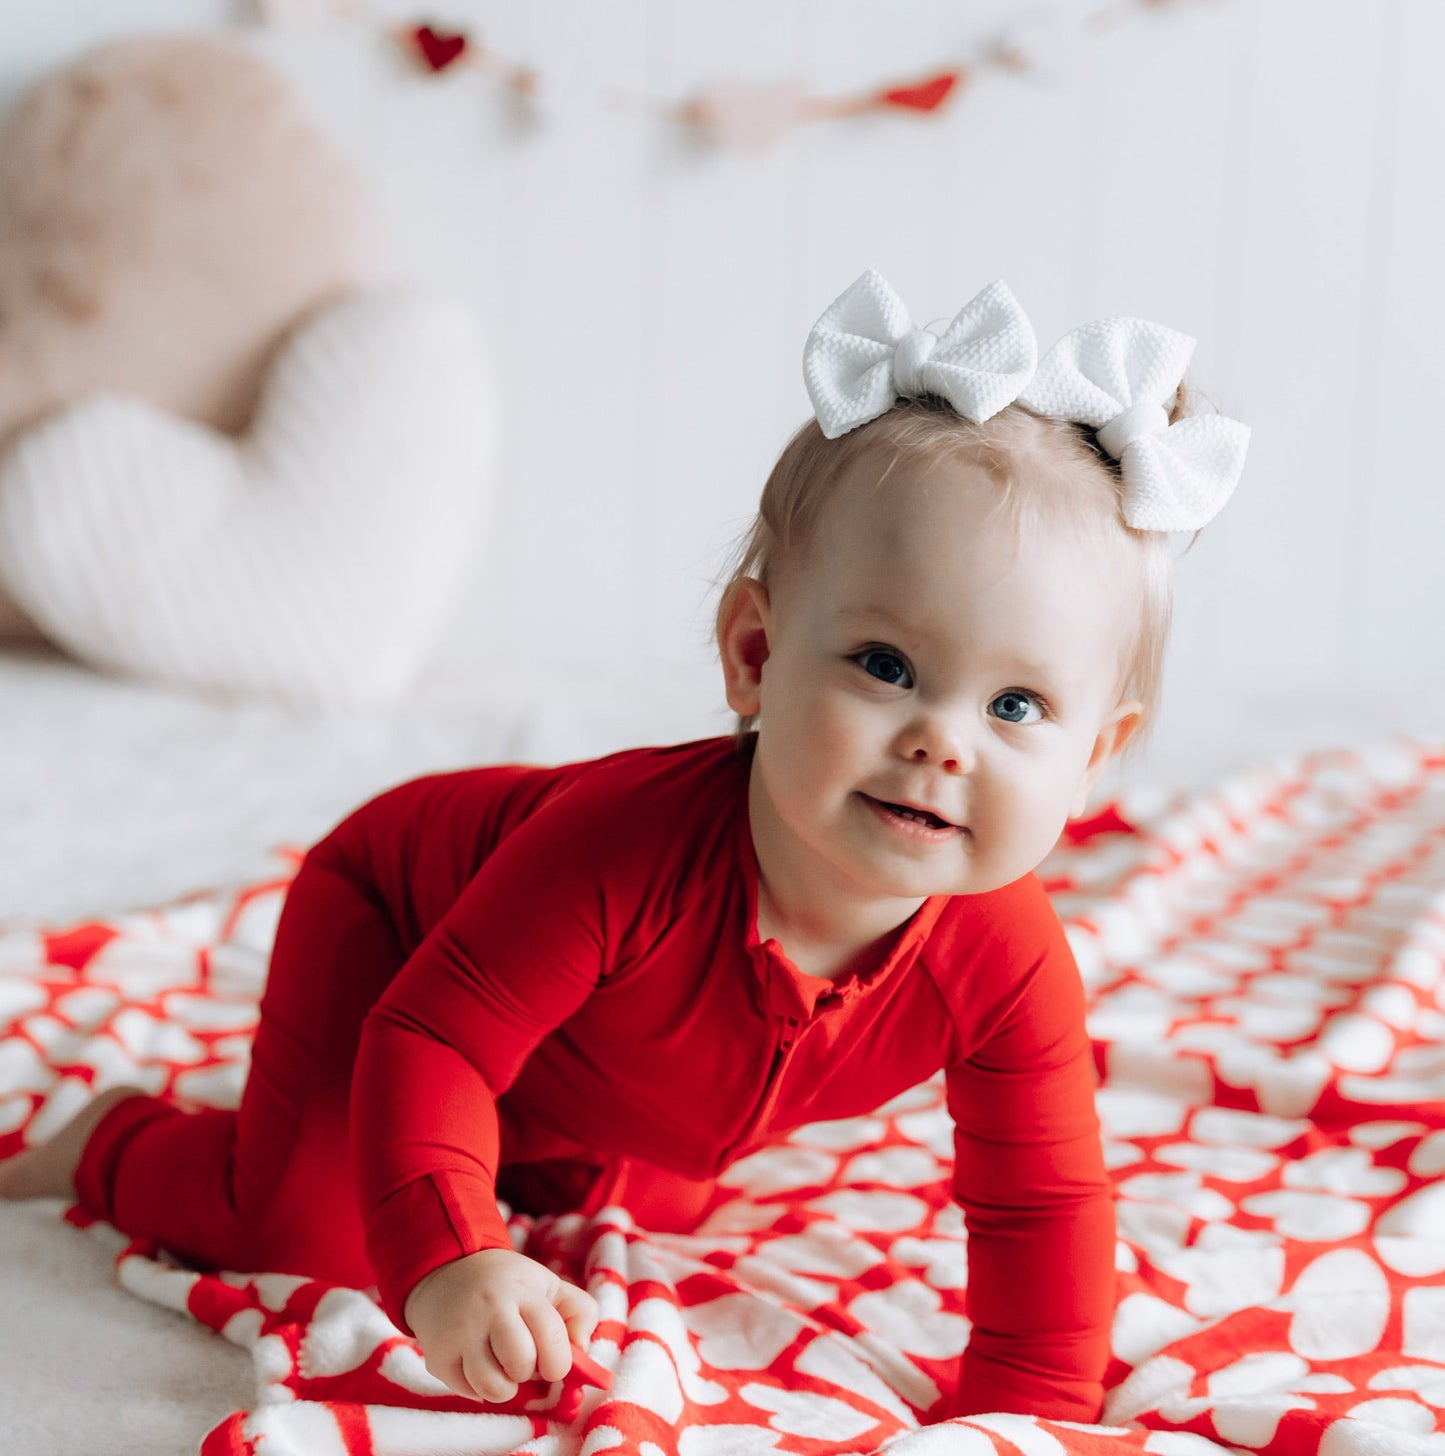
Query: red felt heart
{"x": 928, "y": 96}
{"x": 437, "y": 50}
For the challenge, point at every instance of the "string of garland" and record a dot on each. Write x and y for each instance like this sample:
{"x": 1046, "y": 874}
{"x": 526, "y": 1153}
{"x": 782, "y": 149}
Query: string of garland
{"x": 739, "y": 113}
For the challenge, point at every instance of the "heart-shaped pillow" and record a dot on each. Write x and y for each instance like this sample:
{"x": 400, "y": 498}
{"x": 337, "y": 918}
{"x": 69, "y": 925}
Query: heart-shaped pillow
{"x": 314, "y": 558}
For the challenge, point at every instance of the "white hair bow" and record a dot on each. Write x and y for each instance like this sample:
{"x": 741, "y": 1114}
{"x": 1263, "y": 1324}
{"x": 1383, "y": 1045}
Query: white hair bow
{"x": 1113, "y": 374}
{"x": 1116, "y": 375}
{"x": 864, "y": 352}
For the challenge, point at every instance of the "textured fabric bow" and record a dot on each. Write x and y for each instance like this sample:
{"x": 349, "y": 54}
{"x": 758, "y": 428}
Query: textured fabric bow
{"x": 1114, "y": 375}
{"x": 864, "y": 352}
{"x": 1117, "y": 375}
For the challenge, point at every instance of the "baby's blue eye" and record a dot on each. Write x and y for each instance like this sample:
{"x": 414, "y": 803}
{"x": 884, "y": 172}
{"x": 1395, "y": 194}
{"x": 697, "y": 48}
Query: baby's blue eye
{"x": 1014, "y": 707}
{"x": 885, "y": 666}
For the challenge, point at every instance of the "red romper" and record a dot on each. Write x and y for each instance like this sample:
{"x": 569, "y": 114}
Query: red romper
{"x": 545, "y": 984}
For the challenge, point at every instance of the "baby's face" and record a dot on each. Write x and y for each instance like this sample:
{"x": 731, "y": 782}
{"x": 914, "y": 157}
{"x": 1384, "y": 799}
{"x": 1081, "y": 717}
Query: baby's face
{"x": 938, "y": 697}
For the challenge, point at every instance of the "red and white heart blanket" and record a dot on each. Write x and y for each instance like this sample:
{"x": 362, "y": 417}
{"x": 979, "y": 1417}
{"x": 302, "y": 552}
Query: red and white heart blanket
{"x": 1266, "y": 967}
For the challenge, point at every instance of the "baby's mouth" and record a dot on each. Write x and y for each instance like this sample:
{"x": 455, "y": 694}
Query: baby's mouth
{"x": 919, "y": 816}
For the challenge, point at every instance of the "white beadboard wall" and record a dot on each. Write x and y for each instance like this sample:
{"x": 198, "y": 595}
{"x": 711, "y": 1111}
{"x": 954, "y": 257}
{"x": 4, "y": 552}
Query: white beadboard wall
{"x": 1263, "y": 174}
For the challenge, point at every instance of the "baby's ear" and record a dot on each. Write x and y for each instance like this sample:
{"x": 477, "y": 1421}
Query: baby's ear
{"x": 1117, "y": 729}
{"x": 744, "y": 621}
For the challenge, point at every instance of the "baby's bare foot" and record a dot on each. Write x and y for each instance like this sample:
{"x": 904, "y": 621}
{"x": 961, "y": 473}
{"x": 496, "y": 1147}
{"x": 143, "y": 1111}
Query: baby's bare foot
{"x": 48, "y": 1171}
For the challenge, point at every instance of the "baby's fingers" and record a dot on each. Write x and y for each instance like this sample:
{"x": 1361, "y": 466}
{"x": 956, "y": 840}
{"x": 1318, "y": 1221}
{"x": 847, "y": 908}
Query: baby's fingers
{"x": 513, "y": 1349}
{"x": 549, "y": 1335}
{"x": 476, "y": 1376}
{"x": 579, "y": 1312}
{"x": 485, "y": 1379}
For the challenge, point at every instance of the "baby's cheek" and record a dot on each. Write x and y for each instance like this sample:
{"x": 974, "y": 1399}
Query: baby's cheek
{"x": 809, "y": 746}
{"x": 813, "y": 711}
{"x": 1040, "y": 812}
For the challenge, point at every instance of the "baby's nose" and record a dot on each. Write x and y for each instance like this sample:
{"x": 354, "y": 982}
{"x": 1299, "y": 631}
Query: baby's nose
{"x": 948, "y": 762}
{"x": 938, "y": 742}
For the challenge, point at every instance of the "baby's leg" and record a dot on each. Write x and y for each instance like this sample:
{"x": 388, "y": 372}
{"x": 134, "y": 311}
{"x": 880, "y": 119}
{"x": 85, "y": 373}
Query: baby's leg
{"x": 270, "y": 1187}
{"x": 48, "y": 1170}
{"x": 267, "y": 1187}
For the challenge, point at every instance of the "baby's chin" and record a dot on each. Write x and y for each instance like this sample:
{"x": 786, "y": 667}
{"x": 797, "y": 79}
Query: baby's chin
{"x": 976, "y": 877}
{"x": 923, "y": 883}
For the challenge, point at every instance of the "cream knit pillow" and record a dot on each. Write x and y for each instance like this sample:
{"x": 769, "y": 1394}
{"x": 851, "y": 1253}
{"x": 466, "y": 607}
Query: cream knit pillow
{"x": 314, "y": 558}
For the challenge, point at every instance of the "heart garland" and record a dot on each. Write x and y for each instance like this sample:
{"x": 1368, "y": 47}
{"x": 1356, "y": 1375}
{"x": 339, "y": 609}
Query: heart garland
{"x": 740, "y": 113}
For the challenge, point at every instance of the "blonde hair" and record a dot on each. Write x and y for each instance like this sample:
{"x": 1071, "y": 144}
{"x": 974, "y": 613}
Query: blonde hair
{"x": 1047, "y": 470}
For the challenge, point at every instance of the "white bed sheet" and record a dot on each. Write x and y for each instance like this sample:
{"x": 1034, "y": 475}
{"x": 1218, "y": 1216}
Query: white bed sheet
{"x": 118, "y": 795}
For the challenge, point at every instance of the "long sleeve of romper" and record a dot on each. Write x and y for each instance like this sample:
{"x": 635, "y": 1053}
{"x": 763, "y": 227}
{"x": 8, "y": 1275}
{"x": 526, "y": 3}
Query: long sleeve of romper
{"x": 1037, "y": 1202}
{"x": 514, "y": 957}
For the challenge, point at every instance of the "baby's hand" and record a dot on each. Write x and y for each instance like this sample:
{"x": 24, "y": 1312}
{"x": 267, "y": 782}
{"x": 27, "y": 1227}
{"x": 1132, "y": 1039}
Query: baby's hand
{"x": 491, "y": 1320}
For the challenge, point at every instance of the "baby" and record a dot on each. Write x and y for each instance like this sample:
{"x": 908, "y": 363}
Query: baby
{"x": 605, "y": 982}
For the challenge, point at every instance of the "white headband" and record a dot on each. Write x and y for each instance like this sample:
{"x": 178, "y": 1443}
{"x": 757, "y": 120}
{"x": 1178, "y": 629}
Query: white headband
{"x": 1114, "y": 375}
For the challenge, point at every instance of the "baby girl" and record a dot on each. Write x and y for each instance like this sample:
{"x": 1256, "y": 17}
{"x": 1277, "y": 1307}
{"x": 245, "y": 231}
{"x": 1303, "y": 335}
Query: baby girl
{"x": 561, "y": 988}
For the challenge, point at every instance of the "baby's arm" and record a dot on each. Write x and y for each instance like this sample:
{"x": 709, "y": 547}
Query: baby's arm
{"x": 518, "y": 953}
{"x": 1029, "y": 1175}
